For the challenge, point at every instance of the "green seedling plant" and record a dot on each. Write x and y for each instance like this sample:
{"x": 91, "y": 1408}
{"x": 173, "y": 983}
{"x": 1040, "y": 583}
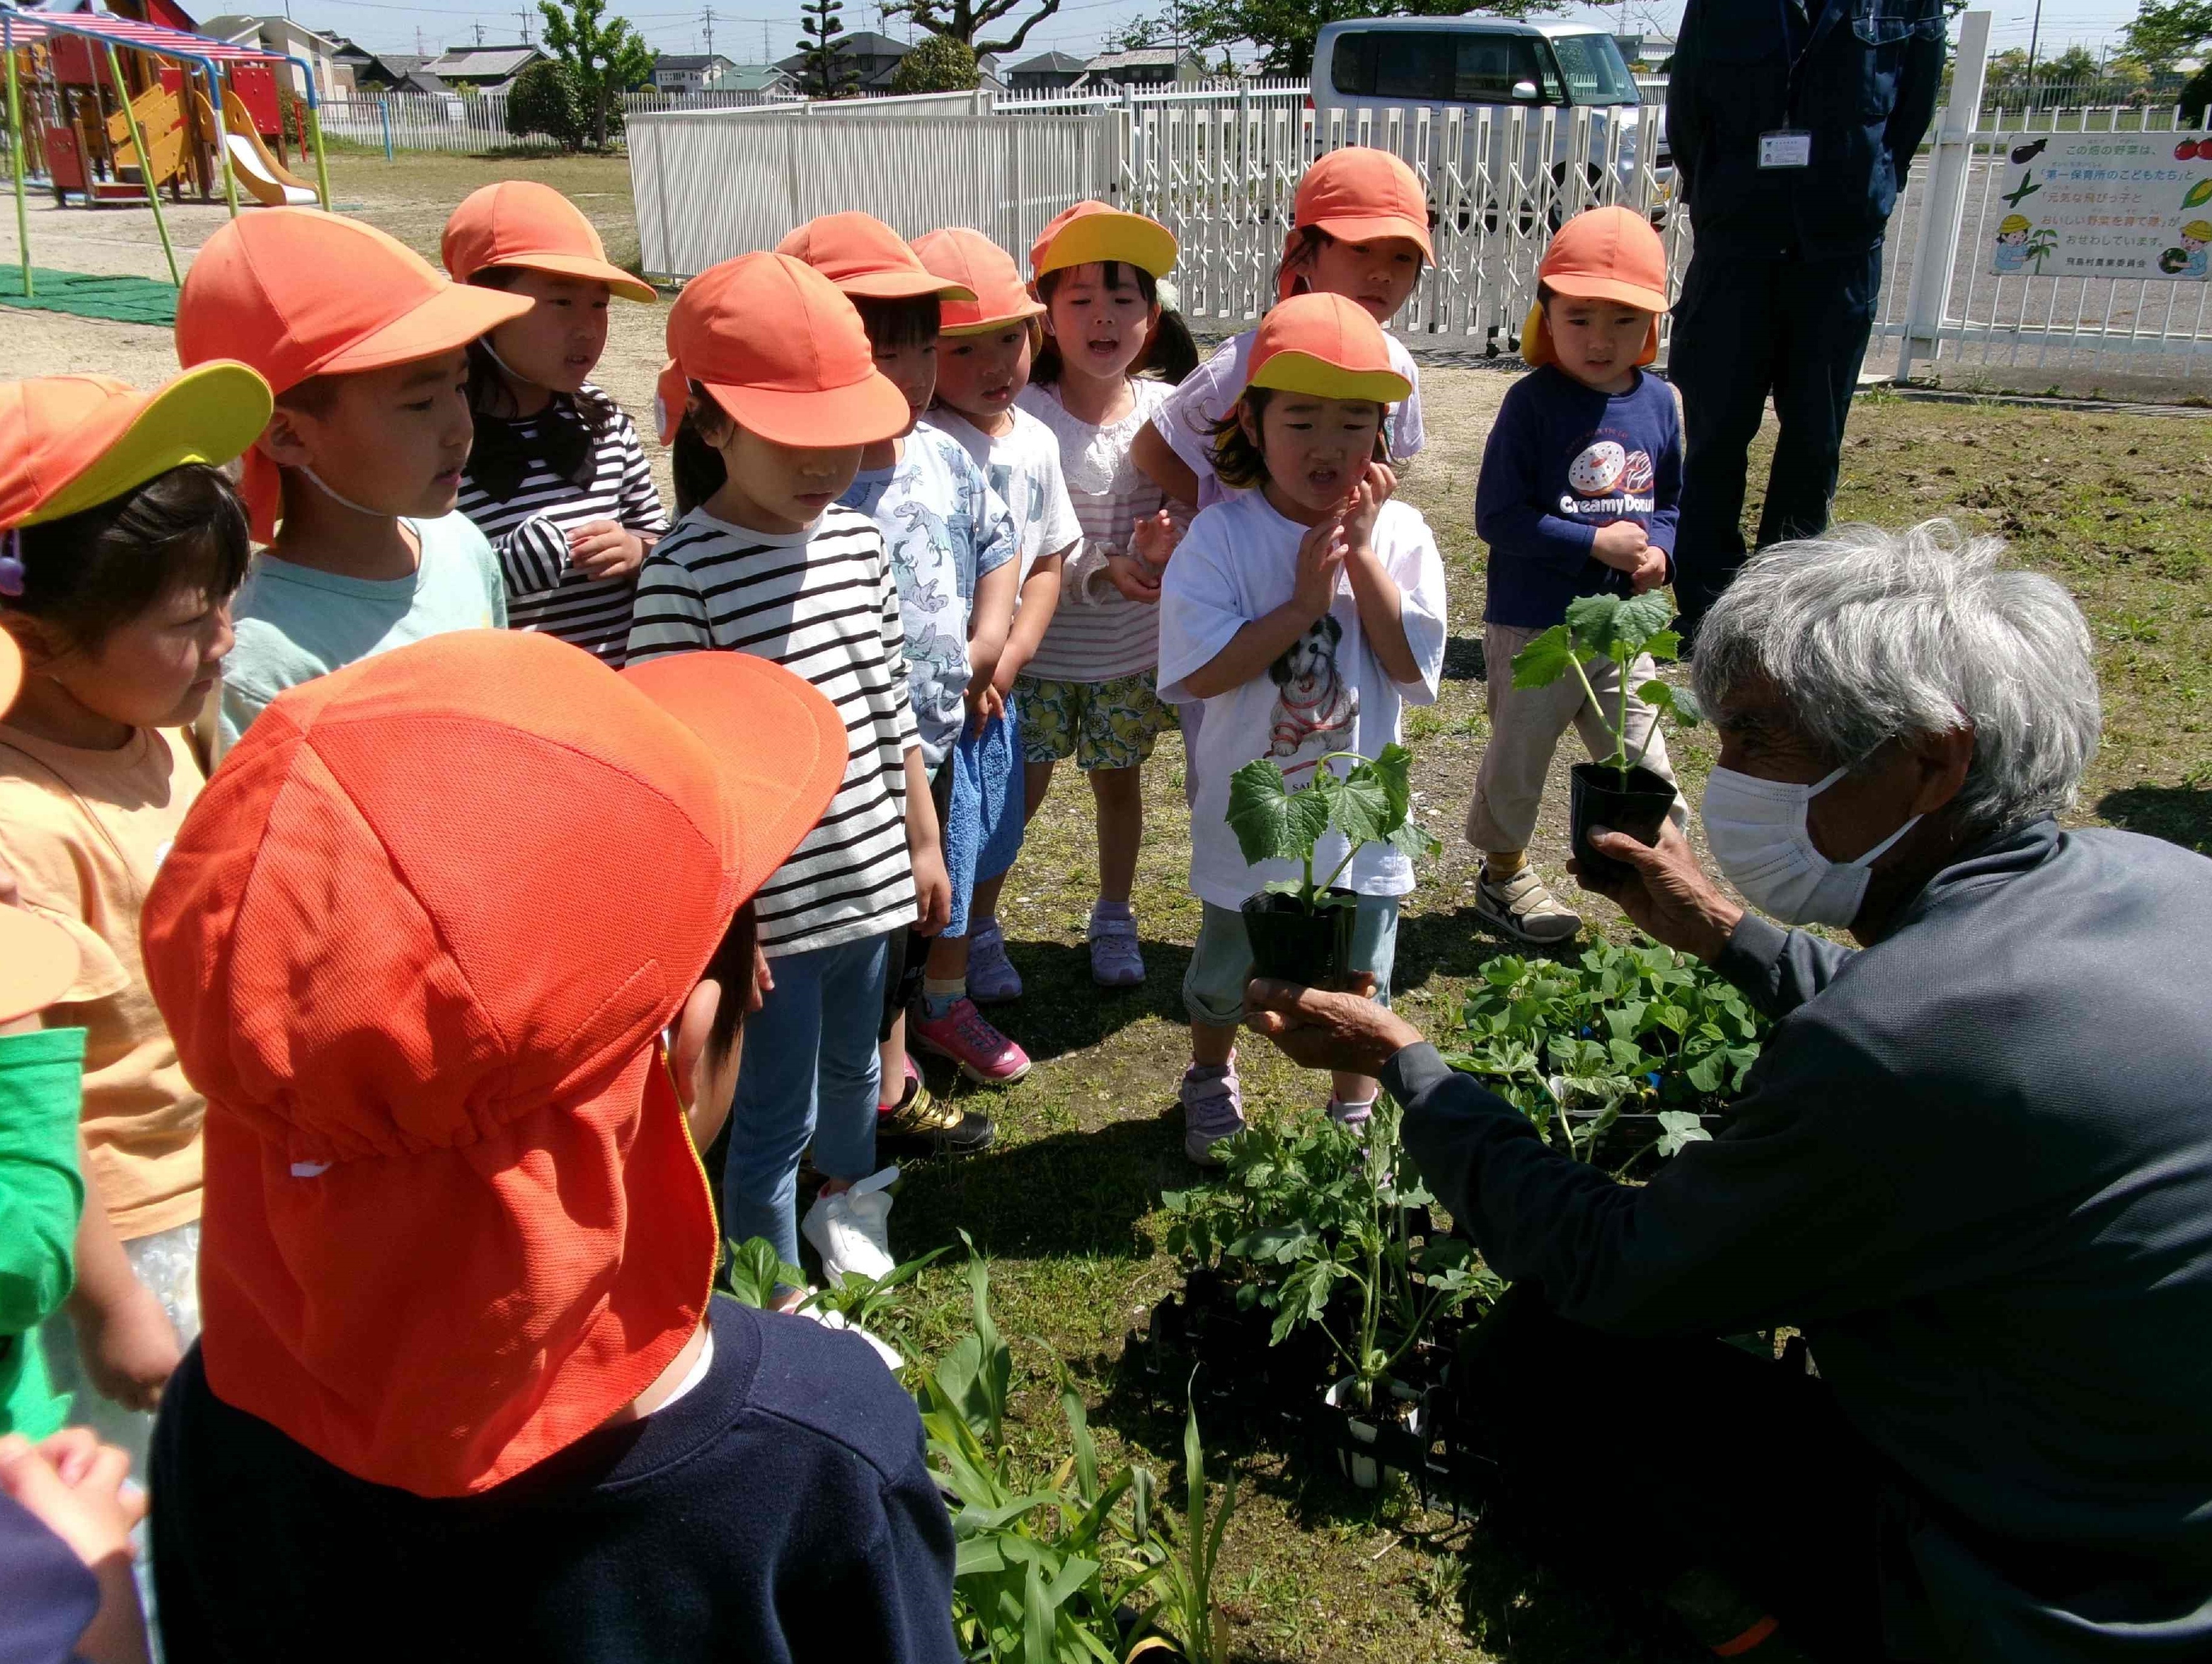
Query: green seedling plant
{"x": 1618, "y": 629}
{"x": 1187, "y": 1618}
{"x": 755, "y": 1272}
{"x": 1372, "y": 802}
{"x": 1045, "y": 1560}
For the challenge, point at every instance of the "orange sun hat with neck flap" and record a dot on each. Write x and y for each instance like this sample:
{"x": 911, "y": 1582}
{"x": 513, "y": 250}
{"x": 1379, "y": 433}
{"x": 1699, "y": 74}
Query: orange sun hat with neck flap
{"x": 1601, "y": 254}
{"x": 985, "y": 270}
{"x": 296, "y": 293}
{"x": 1357, "y": 195}
{"x": 520, "y": 222}
{"x": 454, "y": 1220}
{"x": 1327, "y": 346}
{"x": 1092, "y": 231}
{"x": 867, "y": 259}
{"x": 783, "y": 354}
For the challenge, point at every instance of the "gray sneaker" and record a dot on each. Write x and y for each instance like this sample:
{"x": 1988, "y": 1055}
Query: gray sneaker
{"x": 1116, "y": 959}
{"x": 1213, "y": 1109}
{"x": 1523, "y": 909}
{"x": 992, "y": 977}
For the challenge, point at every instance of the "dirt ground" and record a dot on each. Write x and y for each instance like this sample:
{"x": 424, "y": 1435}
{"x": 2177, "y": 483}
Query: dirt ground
{"x": 1065, "y": 1204}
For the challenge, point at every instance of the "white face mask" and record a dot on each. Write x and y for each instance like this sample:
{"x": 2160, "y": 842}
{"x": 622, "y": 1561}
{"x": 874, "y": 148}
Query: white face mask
{"x": 1758, "y": 836}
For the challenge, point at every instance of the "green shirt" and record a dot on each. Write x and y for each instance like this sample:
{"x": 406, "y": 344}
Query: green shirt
{"x": 296, "y": 623}
{"x": 40, "y": 1197}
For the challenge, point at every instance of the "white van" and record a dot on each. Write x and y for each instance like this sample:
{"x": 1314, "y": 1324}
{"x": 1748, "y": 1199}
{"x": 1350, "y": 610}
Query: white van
{"x": 1383, "y": 64}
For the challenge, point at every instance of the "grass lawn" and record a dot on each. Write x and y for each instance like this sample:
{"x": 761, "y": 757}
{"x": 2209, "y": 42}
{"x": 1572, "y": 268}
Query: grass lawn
{"x": 1064, "y": 1206}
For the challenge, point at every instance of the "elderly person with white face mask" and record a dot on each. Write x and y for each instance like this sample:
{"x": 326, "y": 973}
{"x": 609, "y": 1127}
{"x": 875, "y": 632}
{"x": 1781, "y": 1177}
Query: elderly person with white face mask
{"x": 1973, "y": 1164}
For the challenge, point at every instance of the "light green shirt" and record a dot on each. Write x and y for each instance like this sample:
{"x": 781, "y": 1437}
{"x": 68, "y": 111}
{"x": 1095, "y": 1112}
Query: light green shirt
{"x": 40, "y": 1197}
{"x": 296, "y": 623}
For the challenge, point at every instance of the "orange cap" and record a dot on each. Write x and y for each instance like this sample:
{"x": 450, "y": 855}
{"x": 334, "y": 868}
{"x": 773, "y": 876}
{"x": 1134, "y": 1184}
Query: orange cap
{"x": 1357, "y": 195}
{"x": 1326, "y": 345}
{"x": 987, "y": 271}
{"x": 1092, "y": 231}
{"x": 866, "y": 258}
{"x": 296, "y": 293}
{"x": 68, "y": 442}
{"x": 454, "y": 1220}
{"x": 1601, "y": 254}
{"x": 783, "y": 352}
{"x": 520, "y": 222}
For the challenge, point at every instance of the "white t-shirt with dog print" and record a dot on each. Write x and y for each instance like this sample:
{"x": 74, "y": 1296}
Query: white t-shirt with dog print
{"x": 1237, "y": 564}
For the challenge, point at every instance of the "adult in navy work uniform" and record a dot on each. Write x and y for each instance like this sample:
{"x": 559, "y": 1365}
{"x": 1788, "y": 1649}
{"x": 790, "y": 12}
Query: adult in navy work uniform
{"x": 1971, "y": 1166}
{"x": 1792, "y": 124}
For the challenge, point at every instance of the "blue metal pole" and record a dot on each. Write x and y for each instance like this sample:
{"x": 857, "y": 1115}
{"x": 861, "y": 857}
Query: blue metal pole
{"x": 384, "y": 110}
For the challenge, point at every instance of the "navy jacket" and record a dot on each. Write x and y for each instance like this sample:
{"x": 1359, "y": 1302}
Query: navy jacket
{"x": 1562, "y": 460}
{"x": 1973, "y": 1162}
{"x": 1860, "y": 76}
{"x": 779, "y": 1512}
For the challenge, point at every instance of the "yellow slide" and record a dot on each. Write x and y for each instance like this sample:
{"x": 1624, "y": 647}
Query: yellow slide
{"x": 264, "y": 176}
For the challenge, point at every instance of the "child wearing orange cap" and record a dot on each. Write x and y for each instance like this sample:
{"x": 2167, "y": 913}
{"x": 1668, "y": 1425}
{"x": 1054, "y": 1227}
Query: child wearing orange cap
{"x": 1111, "y": 357}
{"x": 556, "y": 477}
{"x": 1359, "y": 227}
{"x": 463, "y": 1388}
{"x": 1306, "y": 612}
{"x": 123, "y": 544}
{"x": 982, "y": 364}
{"x": 352, "y": 484}
{"x": 1581, "y": 485}
{"x": 950, "y": 540}
{"x": 773, "y": 396}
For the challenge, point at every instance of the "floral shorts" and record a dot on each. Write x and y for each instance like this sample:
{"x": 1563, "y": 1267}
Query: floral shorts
{"x": 1102, "y": 725}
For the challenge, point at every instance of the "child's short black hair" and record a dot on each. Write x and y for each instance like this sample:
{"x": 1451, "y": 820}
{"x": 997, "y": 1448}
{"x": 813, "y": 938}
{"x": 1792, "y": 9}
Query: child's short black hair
{"x": 895, "y": 323}
{"x": 697, "y": 467}
{"x": 1170, "y": 354}
{"x": 91, "y": 573}
{"x": 731, "y": 966}
{"x": 1237, "y": 462}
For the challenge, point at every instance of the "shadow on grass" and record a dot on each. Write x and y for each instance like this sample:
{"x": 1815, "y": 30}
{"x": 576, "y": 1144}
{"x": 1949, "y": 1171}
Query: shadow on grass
{"x": 2179, "y": 814}
{"x": 1463, "y": 660}
{"x": 1100, "y": 1183}
{"x": 1063, "y": 1011}
{"x": 1456, "y": 943}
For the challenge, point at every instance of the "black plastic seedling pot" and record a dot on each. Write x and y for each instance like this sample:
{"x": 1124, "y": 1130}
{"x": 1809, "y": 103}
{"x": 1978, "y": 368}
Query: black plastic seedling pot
{"x": 1596, "y": 797}
{"x": 1293, "y": 945}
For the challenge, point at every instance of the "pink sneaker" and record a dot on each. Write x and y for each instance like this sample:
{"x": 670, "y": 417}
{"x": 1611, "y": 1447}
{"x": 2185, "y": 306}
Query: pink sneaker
{"x": 962, "y": 1034}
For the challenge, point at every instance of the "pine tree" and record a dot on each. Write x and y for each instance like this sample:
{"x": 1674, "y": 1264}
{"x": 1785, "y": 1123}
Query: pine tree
{"x": 827, "y": 72}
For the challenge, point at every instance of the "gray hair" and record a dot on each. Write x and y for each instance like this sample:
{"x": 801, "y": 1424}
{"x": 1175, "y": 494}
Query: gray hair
{"x": 1871, "y": 634}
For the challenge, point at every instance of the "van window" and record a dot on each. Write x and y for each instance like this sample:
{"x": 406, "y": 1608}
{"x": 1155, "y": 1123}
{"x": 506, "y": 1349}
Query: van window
{"x": 1440, "y": 66}
{"x": 1595, "y": 69}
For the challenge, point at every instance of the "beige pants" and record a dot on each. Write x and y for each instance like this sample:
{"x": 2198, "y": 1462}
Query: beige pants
{"x": 1525, "y": 726}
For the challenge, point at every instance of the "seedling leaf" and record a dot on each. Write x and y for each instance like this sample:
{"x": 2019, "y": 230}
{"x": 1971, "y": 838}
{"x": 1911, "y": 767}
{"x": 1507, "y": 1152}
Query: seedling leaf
{"x": 1545, "y": 659}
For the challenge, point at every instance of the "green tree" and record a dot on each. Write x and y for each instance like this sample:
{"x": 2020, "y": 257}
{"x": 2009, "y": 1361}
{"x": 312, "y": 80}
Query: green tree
{"x": 963, "y": 20}
{"x": 603, "y": 59}
{"x": 1282, "y": 32}
{"x": 827, "y": 72}
{"x": 938, "y": 63}
{"x": 2167, "y": 30}
{"x": 544, "y": 100}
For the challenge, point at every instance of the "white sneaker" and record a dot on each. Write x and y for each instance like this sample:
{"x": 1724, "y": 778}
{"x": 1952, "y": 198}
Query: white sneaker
{"x": 851, "y": 1230}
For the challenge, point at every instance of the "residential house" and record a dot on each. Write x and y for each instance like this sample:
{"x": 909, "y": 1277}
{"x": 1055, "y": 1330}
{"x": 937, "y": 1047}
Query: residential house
{"x": 686, "y": 72}
{"x": 764, "y": 81}
{"x": 1649, "y": 48}
{"x": 1048, "y": 72}
{"x": 482, "y": 68}
{"x": 1145, "y": 66}
{"x": 283, "y": 36}
{"x": 875, "y": 55}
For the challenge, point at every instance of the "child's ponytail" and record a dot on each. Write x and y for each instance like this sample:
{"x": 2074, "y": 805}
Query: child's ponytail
{"x": 697, "y": 466}
{"x": 1170, "y": 354}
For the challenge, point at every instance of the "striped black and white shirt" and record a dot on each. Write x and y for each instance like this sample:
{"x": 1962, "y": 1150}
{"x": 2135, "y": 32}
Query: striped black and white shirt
{"x": 821, "y": 603}
{"x": 529, "y": 526}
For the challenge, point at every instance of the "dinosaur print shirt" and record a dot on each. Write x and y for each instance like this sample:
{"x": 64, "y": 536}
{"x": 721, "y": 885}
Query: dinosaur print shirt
{"x": 1328, "y": 692}
{"x": 944, "y": 527}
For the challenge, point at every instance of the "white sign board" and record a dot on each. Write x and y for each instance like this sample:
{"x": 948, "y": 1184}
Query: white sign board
{"x": 2106, "y": 205}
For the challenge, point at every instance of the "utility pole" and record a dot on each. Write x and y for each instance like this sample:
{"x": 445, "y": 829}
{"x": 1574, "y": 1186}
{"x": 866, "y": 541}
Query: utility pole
{"x": 524, "y": 17}
{"x": 709, "y": 15}
{"x": 479, "y": 28}
{"x": 2034, "y": 35}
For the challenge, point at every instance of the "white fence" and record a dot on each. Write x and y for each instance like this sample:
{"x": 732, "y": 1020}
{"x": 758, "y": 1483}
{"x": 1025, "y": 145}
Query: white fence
{"x": 416, "y": 121}
{"x": 709, "y": 185}
{"x": 1945, "y": 311}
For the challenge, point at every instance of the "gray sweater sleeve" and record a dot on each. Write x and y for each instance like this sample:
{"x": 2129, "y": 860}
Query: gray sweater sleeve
{"x": 1779, "y": 970}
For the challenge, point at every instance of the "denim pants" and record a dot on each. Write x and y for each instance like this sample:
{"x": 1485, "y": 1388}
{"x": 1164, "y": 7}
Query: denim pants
{"x": 808, "y": 1074}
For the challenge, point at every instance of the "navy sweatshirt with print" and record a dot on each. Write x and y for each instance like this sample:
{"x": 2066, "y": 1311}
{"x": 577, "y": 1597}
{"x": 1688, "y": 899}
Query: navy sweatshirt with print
{"x": 1563, "y": 461}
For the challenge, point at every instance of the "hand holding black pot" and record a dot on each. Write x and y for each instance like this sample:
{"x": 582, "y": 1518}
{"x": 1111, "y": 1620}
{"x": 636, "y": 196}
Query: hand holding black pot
{"x": 1346, "y": 1032}
{"x": 1666, "y": 894}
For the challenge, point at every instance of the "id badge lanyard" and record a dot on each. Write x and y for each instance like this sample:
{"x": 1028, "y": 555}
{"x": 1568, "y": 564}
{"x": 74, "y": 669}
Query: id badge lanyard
{"x": 1789, "y": 147}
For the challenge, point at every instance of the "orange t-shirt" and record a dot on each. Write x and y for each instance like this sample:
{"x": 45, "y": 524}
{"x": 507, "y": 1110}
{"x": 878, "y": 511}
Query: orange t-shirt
{"x": 83, "y": 832}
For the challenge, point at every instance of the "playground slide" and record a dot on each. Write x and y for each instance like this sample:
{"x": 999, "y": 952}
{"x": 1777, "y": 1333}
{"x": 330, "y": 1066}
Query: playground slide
{"x": 258, "y": 171}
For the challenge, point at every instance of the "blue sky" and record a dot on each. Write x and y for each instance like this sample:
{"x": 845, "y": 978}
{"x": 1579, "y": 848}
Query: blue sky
{"x": 743, "y": 28}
